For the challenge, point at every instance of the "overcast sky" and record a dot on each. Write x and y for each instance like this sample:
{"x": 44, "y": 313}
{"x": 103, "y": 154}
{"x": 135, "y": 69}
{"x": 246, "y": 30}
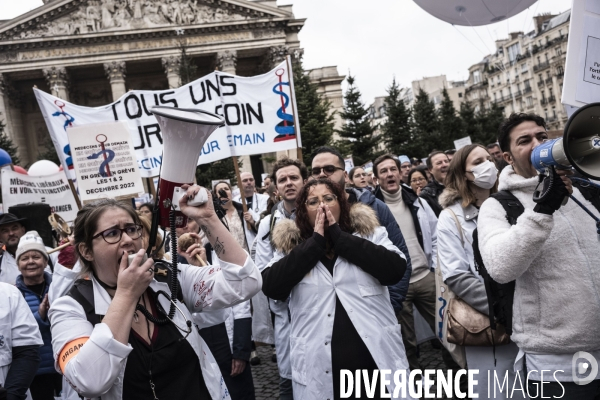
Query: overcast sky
{"x": 376, "y": 40}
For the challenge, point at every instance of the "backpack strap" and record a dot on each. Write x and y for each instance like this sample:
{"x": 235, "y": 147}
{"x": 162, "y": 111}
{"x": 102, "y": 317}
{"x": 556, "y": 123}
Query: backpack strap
{"x": 83, "y": 292}
{"x": 511, "y": 205}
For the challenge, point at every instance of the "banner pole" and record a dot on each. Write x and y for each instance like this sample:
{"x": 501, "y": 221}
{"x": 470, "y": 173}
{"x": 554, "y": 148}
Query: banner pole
{"x": 288, "y": 61}
{"x": 239, "y": 181}
{"x": 77, "y": 200}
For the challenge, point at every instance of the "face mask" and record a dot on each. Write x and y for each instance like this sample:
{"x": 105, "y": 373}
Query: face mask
{"x": 485, "y": 175}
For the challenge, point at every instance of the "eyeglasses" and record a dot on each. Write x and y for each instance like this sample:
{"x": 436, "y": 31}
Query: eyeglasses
{"x": 418, "y": 180}
{"x": 361, "y": 175}
{"x": 314, "y": 202}
{"x": 327, "y": 170}
{"x": 113, "y": 235}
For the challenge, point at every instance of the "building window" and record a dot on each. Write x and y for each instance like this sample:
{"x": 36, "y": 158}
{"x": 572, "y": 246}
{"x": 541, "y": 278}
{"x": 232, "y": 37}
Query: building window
{"x": 554, "y": 112}
{"x": 543, "y": 95}
{"x": 476, "y": 76}
{"x": 523, "y": 67}
{"x": 558, "y": 51}
{"x": 513, "y": 51}
{"x": 560, "y": 70}
{"x": 460, "y": 95}
{"x": 546, "y": 114}
{"x": 541, "y": 78}
{"x": 546, "y": 55}
{"x": 560, "y": 32}
{"x": 381, "y": 111}
{"x": 526, "y": 83}
{"x": 529, "y": 101}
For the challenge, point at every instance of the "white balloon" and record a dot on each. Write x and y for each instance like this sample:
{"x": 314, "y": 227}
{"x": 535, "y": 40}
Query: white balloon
{"x": 43, "y": 168}
{"x": 473, "y": 12}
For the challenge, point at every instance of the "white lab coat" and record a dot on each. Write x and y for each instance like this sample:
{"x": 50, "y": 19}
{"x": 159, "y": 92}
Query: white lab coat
{"x": 281, "y": 329}
{"x": 98, "y": 368}
{"x": 259, "y": 204}
{"x": 312, "y": 306}
{"x": 18, "y": 327}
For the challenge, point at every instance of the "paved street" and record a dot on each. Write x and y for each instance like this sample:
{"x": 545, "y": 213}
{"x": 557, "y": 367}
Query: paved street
{"x": 266, "y": 376}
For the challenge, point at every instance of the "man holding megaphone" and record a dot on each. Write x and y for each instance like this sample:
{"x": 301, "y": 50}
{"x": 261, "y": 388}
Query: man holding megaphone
{"x": 551, "y": 252}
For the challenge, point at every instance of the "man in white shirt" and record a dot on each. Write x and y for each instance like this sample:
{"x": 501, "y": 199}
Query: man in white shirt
{"x": 255, "y": 202}
{"x": 11, "y": 230}
{"x": 552, "y": 255}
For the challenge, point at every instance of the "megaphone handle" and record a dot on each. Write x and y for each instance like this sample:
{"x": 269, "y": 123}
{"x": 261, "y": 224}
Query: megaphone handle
{"x": 546, "y": 182}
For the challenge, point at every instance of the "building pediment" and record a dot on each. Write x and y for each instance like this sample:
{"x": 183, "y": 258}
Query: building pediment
{"x": 72, "y": 18}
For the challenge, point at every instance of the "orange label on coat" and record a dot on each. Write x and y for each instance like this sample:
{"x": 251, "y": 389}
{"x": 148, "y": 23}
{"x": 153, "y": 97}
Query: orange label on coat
{"x": 69, "y": 351}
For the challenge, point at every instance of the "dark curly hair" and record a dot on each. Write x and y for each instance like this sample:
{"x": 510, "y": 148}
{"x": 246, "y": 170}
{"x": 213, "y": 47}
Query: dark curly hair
{"x": 302, "y": 220}
{"x": 511, "y": 123}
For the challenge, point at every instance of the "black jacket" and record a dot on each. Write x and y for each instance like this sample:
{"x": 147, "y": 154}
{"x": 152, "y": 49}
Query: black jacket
{"x": 431, "y": 193}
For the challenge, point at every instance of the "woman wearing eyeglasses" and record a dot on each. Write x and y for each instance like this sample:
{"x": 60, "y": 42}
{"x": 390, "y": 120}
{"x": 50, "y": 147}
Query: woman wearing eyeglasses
{"x": 358, "y": 177}
{"x": 417, "y": 178}
{"x": 338, "y": 263}
{"x": 110, "y": 337}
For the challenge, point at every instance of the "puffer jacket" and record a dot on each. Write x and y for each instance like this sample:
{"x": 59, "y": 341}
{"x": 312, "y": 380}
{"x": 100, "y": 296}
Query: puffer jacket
{"x": 386, "y": 219}
{"x": 33, "y": 301}
{"x": 554, "y": 260}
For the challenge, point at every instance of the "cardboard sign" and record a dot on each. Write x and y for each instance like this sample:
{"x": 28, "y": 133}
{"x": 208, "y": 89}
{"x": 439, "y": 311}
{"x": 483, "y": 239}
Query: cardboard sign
{"x": 52, "y": 189}
{"x": 462, "y": 142}
{"x": 104, "y": 161}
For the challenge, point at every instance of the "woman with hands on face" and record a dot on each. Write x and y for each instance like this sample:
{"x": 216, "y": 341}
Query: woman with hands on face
{"x": 111, "y": 337}
{"x": 334, "y": 262}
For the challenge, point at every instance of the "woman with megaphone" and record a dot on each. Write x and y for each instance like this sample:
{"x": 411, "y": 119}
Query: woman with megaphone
{"x": 112, "y": 337}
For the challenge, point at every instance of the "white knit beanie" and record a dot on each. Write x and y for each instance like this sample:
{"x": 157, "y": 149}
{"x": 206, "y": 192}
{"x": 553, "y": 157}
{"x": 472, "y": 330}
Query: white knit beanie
{"x": 31, "y": 241}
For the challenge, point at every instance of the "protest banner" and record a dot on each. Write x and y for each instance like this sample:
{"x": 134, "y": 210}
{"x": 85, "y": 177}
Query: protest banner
{"x": 52, "y": 189}
{"x": 104, "y": 161}
{"x": 258, "y": 111}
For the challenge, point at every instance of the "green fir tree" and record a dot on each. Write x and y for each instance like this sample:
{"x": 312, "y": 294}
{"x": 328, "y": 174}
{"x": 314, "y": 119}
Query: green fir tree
{"x": 7, "y": 145}
{"x": 470, "y": 123}
{"x": 490, "y": 120}
{"x": 316, "y": 119}
{"x": 357, "y": 129}
{"x": 49, "y": 152}
{"x": 397, "y": 128}
{"x": 426, "y": 125}
{"x": 450, "y": 125}
{"x": 218, "y": 170}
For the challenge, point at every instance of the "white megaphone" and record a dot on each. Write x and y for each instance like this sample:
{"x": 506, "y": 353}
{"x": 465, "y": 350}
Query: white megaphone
{"x": 579, "y": 147}
{"x": 184, "y": 132}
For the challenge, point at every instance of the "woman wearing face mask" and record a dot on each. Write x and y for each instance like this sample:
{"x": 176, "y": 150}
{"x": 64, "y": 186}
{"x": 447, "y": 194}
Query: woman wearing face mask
{"x": 472, "y": 178}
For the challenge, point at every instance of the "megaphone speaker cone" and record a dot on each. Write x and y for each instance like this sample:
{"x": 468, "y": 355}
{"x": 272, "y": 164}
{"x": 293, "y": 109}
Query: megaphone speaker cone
{"x": 184, "y": 132}
{"x": 582, "y": 140}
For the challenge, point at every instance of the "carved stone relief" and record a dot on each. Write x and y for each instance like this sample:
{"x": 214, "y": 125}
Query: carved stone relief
{"x": 115, "y": 15}
{"x": 115, "y": 70}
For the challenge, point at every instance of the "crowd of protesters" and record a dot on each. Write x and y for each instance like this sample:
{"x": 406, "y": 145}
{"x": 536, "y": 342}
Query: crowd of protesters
{"x": 333, "y": 269}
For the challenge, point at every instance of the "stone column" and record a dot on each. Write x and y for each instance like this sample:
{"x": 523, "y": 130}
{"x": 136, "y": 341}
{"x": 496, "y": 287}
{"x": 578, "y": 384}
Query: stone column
{"x": 115, "y": 70}
{"x": 11, "y": 116}
{"x": 227, "y": 61}
{"x": 172, "y": 65}
{"x": 276, "y": 55}
{"x": 58, "y": 81}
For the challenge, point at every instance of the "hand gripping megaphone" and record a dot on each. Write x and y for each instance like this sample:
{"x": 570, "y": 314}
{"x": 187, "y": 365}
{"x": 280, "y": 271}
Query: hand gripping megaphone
{"x": 184, "y": 132}
{"x": 579, "y": 148}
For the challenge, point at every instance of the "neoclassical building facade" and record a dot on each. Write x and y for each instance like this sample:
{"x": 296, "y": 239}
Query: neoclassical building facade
{"x": 90, "y": 52}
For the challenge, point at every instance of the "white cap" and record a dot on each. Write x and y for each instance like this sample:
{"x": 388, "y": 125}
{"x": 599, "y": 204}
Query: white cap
{"x": 31, "y": 241}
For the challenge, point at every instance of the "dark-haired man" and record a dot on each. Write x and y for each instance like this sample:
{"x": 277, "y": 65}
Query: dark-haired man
{"x": 494, "y": 150}
{"x": 437, "y": 164}
{"x": 418, "y": 224}
{"x": 552, "y": 254}
{"x": 289, "y": 177}
{"x": 327, "y": 162}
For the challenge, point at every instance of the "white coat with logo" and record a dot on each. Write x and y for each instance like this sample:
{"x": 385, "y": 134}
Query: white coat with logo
{"x": 99, "y": 366}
